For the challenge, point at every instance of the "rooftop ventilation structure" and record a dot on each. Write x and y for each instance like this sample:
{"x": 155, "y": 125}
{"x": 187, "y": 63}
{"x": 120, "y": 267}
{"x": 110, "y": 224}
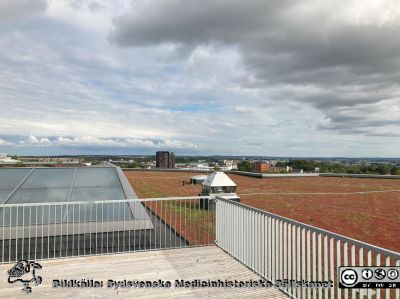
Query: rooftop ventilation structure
{"x": 221, "y": 185}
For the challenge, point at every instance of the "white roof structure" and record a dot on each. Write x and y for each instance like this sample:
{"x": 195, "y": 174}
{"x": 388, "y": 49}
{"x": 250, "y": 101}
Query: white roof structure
{"x": 199, "y": 177}
{"x": 218, "y": 179}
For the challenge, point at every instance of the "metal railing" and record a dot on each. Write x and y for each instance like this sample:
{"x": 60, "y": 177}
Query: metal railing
{"x": 273, "y": 246}
{"x": 71, "y": 229}
{"x": 281, "y": 249}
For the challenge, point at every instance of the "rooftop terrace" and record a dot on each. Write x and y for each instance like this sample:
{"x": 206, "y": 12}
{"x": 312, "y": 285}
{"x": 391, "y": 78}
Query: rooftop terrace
{"x": 169, "y": 265}
{"x": 190, "y": 238}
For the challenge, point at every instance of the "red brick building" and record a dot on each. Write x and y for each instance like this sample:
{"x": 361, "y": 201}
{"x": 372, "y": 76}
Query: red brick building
{"x": 261, "y": 167}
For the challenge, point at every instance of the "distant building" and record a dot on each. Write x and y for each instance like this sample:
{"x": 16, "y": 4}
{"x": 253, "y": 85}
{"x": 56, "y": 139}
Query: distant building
{"x": 284, "y": 169}
{"x": 4, "y": 159}
{"x": 229, "y": 165}
{"x": 171, "y": 160}
{"x": 165, "y": 159}
{"x": 194, "y": 166}
{"x": 261, "y": 167}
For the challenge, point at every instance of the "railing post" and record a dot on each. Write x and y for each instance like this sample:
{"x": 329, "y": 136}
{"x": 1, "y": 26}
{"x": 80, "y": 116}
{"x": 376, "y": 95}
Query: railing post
{"x": 271, "y": 245}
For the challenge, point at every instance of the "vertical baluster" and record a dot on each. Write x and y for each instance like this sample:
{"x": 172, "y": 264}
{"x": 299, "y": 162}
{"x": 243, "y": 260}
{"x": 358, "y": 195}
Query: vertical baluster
{"x": 284, "y": 252}
{"x": 387, "y": 291}
{"x": 273, "y": 244}
{"x": 397, "y": 291}
{"x": 378, "y": 263}
{"x": 332, "y": 267}
{"x": 326, "y": 266}
{"x": 289, "y": 257}
{"x": 294, "y": 258}
{"x": 338, "y": 264}
{"x": 345, "y": 263}
{"x": 66, "y": 219}
{"x": 55, "y": 236}
{"x": 16, "y": 236}
{"x": 314, "y": 262}
{"x": 303, "y": 260}
{"x": 353, "y": 263}
{"x": 9, "y": 236}
{"x": 23, "y": 233}
{"x": 175, "y": 224}
{"x": 265, "y": 246}
{"x": 253, "y": 238}
{"x": 3, "y": 258}
{"x": 361, "y": 263}
{"x": 320, "y": 264}
{"x": 30, "y": 224}
{"x": 309, "y": 262}
{"x": 79, "y": 229}
{"x": 36, "y": 232}
{"x": 269, "y": 259}
{"x": 280, "y": 249}
{"x": 369, "y": 263}
{"x": 102, "y": 228}
{"x": 180, "y": 224}
{"x": 298, "y": 247}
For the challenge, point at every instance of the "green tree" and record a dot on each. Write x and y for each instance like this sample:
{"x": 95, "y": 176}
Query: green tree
{"x": 395, "y": 170}
{"x": 245, "y": 166}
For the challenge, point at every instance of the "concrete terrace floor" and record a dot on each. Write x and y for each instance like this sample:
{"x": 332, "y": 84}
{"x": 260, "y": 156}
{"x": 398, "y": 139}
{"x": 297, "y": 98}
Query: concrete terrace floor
{"x": 189, "y": 264}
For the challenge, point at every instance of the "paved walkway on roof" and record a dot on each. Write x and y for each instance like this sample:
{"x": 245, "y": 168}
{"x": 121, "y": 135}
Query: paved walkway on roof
{"x": 190, "y": 263}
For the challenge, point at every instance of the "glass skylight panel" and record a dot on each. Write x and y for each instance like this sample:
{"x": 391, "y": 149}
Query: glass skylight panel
{"x": 50, "y": 178}
{"x": 97, "y": 193}
{"x": 4, "y": 193}
{"x": 97, "y": 177}
{"x": 99, "y": 212}
{"x": 11, "y": 177}
{"x": 37, "y": 195}
{"x": 31, "y": 215}
{"x": 45, "y": 185}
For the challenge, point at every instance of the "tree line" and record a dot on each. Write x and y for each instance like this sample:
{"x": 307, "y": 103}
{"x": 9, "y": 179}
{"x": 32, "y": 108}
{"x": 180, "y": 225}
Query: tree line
{"x": 327, "y": 167}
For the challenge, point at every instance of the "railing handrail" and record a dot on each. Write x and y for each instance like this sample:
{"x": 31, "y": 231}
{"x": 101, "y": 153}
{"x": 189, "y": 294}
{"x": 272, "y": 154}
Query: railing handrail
{"x": 331, "y": 234}
{"x": 109, "y": 201}
{"x": 337, "y": 236}
{"x": 72, "y": 229}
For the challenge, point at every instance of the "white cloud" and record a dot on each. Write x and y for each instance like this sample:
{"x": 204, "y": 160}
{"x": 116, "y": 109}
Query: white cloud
{"x": 93, "y": 15}
{"x": 34, "y": 141}
{"x": 5, "y": 143}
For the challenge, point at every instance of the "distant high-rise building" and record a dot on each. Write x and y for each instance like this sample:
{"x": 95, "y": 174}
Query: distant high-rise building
{"x": 171, "y": 160}
{"x": 165, "y": 159}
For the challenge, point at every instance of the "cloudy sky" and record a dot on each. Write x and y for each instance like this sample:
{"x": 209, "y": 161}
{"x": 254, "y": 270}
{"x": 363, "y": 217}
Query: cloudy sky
{"x": 254, "y": 77}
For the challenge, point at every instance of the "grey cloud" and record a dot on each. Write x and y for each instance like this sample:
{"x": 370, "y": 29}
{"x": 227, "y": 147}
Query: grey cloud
{"x": 383, "y": 119}
{"x": 191, "y": 21}
{"x": 11, "y": 9}
{"x": 300, "y": 51}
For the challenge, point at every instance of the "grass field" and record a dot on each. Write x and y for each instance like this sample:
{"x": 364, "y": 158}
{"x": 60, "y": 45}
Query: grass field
{"x": 363, "y": 209}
